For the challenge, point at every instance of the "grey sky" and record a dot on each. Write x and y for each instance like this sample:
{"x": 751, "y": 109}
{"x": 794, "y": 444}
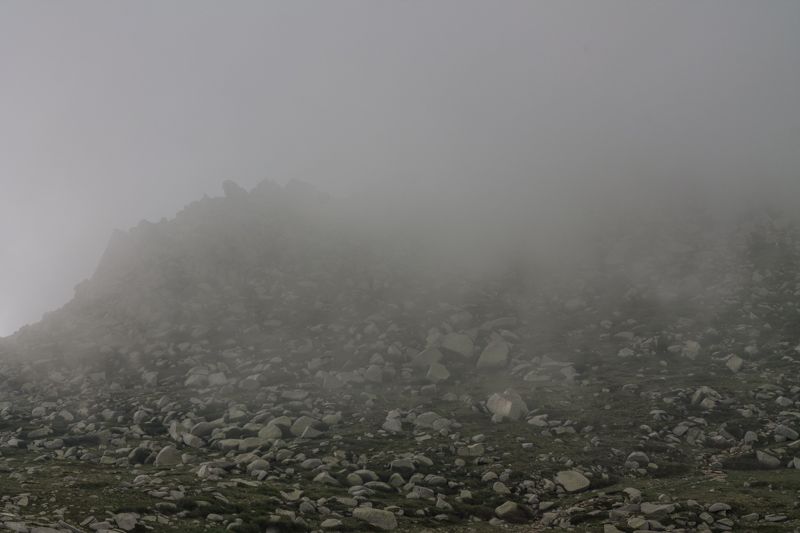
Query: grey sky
{"x": 115, "y": 111}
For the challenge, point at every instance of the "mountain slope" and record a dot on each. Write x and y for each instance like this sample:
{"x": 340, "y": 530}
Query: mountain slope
{"x": 268, "y": 359}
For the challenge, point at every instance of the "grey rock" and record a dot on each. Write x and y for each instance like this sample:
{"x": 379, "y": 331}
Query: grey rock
{"x": 510, "y": 512}
{"x": 786, "y": 432}
{"x": 572, "y": 481}
{"x": 437, "y": 373}
{"x": 494, "y": 356}
{"x": 126, "y": 521}
{"x": 734, "y": 363}
{"x": 168, "y": 456}
{"x": 508, "y": 405}
{"x": 767, "y": 460}
{"x": 376, "y": 517}
{"x": 458, "y": 343}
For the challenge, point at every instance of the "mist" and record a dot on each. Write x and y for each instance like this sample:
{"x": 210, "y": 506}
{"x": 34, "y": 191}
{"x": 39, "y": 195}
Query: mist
{"x": 116, "y": 113}
{"x": 354, "y": 266}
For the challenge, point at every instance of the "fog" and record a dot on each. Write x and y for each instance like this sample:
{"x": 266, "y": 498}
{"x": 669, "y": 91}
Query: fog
{"x": 549, "y": 113}
{"x": 402, "y": 265}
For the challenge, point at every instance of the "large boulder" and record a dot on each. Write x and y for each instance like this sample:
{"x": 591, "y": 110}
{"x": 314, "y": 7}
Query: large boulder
{"x": 168, "y": 456}
{"x": 507, "y": 405}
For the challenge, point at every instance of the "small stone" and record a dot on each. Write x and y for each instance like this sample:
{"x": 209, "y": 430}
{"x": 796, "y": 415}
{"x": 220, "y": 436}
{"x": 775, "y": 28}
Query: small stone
{"x": 734, "y": 363}
{"x": 126, "y": 521}
{"x": 500, "y": 488}
{"x": 510, "y": 512}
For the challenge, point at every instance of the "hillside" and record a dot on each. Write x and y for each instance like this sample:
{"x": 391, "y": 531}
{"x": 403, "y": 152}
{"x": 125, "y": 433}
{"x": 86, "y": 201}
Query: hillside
{"x": 280, "y": 358}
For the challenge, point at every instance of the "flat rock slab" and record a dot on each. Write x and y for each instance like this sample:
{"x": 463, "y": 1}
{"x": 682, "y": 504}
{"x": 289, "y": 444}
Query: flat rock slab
{"x": 572, "y": 480}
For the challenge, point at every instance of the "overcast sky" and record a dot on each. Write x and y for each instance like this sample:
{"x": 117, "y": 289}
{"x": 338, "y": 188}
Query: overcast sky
{"x": 111, "y": 112}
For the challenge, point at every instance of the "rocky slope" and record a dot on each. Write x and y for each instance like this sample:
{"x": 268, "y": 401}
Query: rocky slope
{"x": 267, "y": 361}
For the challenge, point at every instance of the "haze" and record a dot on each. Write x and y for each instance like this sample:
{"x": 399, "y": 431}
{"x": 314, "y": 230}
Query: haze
{"x": 114, "y": 112}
